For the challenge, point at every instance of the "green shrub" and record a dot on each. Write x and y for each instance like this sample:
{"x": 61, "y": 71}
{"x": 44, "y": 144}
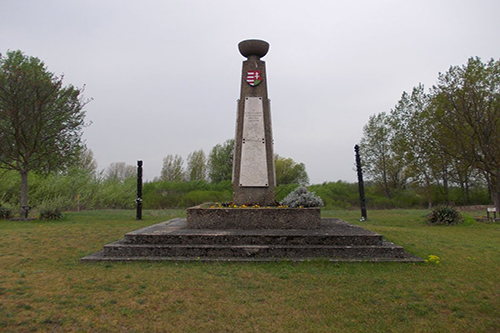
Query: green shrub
{"x": 5, "y": 213}
{"x": 51, "y": 214}
{"x": 51, "y": 209}
{"x": 445, "y": 215}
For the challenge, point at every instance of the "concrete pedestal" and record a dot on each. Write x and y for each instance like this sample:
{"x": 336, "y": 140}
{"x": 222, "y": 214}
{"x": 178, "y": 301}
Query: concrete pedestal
{"x": 202, "y": 217}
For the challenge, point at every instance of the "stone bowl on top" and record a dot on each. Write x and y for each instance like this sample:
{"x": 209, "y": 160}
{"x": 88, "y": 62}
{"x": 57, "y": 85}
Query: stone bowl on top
{"x": 254, "y": 47}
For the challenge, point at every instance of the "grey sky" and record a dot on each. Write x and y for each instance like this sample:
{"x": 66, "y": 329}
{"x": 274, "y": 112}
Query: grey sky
{"x": 164, "y": 75}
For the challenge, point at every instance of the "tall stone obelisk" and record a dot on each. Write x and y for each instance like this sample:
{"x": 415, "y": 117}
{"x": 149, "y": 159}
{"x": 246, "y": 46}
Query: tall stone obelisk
{"x": 253, "y": 166}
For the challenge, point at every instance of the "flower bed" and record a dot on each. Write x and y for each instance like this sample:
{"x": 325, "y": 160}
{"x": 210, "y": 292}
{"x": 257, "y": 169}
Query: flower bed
{"x": 211, "y": 216}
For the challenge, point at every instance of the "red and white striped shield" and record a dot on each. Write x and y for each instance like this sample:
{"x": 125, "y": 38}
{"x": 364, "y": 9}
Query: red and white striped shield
{"x": 254, "y": 78}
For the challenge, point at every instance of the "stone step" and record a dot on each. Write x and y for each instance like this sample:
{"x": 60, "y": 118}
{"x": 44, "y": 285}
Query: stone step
{"x": 278, "y": 238}
{"x": 333, "y": 232}
{"x": 335, "y": 240}
{"x": 121, "y": 249}
{"x": 99, "y": 257}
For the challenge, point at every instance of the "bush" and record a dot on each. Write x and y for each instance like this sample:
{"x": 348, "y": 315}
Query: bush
{"x": 5, "y": 213}
{"x": 51, "y": 214}
{"x": 445, "y": 215}
{"x": 301, "y": 197}
{"x": 51, "y": 210}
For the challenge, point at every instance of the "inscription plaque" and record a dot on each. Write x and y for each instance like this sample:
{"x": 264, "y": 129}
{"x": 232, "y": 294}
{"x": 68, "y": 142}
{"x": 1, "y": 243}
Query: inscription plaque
{"x": 253, "y": 171}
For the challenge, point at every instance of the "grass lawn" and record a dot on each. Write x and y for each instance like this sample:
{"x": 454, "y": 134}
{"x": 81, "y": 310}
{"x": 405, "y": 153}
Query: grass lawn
{"x": 44, "y": 287}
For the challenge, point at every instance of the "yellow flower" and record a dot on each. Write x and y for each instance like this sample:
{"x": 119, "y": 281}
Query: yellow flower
{"x": 433, "y": 259}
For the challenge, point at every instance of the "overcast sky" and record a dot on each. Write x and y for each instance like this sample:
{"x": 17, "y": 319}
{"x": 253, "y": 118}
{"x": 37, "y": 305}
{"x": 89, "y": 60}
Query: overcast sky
{"x": 164, "y": 75}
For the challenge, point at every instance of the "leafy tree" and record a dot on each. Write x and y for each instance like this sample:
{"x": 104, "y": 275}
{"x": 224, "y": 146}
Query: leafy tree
{"x": 120, "y": 171}
{"x": 220, "y": 162}
{"x": 197, "y": 166}
{"x": 290, "y": 172}
{"x": 466, "y": 104}
{"x": 86, "y": 161}
{"x": 40, "y": 119}
{"x": 380, "y": 162}
{"x": 173, "y": 169}
{"x": 414, "y": 140}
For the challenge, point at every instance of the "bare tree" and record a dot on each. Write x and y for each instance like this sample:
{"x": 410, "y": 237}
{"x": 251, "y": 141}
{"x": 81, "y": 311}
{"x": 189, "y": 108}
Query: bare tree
{"x": 120, "y": 171}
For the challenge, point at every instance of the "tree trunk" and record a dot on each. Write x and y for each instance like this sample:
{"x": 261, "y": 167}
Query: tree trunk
{"x": 428, "y": 190}
{"x": 429, "y": 196}
{"x": 24, "y": 193}
{"x": 467, "y": 190}
{"x": 445, "y": 185}
{"x": 496, "y": 194}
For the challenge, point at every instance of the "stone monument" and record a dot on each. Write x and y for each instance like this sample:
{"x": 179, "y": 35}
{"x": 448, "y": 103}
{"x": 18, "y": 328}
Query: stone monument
{"x": 253, "y": 227}
{"x": 253, "y": 166}
{"x": 253, "y": 162}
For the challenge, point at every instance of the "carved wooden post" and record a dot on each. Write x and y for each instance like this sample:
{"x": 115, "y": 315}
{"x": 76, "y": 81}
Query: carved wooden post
{"x": 138, "y": 200}
{"x": 361, "y": 184}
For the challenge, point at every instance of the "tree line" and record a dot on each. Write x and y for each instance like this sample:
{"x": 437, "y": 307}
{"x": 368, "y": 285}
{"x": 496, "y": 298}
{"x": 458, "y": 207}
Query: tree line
{"x": 446, "y": 137}
{"x": 218, "y": 167}
{"x": 215, "y": 168}
{"x": 82, "y": 186}
{"x": 435, "y": 147}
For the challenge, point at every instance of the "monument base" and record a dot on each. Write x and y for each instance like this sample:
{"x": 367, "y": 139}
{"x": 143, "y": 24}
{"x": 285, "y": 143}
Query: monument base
{"x": 204, "y": 217}
{"x": 173, "y": 240}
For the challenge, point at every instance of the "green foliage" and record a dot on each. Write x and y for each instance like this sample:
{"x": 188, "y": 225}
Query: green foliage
{"x": 81, "y": 188}
{"x": 5, "y": 213}
{"x": 466, "y": 112}
{"x": 301, "y": 197}
{"x": 380, "y": 162}
{"x": 40, "y": 119}
{"x": 197, "y": 166}
{"x": 10, "y": 183}
{"x": 161, "y": 195}
{"x": 173, "y": 169}
{"x": 290, "y": 172}
{"x": 50, "y": 214}
{"x": 337, "y": 195}
{"x": 220, "y": 162}
{"x": 445, "y": 215}
{"x": 448, "y": 138}
{"x": 113, "y": 193}
{"x": 51, "y": 209}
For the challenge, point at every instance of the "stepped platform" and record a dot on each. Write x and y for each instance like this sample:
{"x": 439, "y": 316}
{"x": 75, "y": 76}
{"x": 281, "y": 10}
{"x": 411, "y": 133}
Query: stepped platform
{"x": 333, "y": 240}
